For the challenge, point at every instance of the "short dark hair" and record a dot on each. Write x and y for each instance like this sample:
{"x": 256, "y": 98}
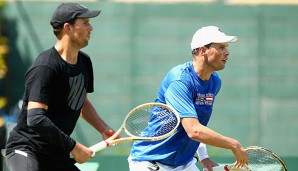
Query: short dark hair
{"x": 57, "y": 30}
{"x": 196, "y": 51}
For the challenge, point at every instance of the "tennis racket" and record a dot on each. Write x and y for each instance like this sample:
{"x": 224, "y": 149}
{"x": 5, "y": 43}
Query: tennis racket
{"x": 164, "y": 121}
{"x": 260, "y": 159}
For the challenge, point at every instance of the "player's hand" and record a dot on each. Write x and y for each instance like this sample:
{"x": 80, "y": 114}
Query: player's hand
{"x": 81, "y": 153}
{"x": 208, "y": 164}
{"x": 108, "y": 133}
{"x": 240, "y": 155}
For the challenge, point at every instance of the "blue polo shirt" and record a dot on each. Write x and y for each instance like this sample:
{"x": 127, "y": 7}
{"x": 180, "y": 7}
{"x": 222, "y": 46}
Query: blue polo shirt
{"x": 192, "y": 97}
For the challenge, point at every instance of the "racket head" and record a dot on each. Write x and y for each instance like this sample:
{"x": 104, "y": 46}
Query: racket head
{"x": 261, "y": 158}
{"x": 163, "y": 119}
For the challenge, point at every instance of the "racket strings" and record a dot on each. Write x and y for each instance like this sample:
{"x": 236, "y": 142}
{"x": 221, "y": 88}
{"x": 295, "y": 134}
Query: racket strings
{"x": 260, "y": 160}
{"x": 137, "y": 122}
{"x": 168, "y": 121}
{"x": 162, "y": 122}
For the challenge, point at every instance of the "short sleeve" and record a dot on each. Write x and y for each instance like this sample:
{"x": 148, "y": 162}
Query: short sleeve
{"x": 38, "y": 84}
{"x": 178, "y": 95}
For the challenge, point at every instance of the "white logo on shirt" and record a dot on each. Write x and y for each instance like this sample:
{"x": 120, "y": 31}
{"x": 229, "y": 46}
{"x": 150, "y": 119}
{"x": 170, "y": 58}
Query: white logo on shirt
{"x": 204, "y": 99}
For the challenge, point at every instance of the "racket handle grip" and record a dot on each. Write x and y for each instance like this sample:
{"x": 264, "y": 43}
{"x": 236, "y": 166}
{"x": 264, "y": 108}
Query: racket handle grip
{"x": 99, "y": 146}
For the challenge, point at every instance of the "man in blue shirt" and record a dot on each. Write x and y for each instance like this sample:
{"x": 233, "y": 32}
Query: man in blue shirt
{"x": 191, "y": 89}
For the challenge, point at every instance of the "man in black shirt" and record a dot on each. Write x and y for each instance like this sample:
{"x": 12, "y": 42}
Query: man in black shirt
{"x": 56, "y": 87}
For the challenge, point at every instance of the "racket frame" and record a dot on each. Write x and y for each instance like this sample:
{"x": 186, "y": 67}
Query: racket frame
{"x": 271, "y": 153}
{"x": 112, "y": 141}
{"x": 246, "y": 167}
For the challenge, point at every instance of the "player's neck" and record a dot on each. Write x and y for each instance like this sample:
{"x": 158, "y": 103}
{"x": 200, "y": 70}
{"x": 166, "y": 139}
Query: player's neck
{"x": 202, "y": 71}
{"x": 67, "y": 53}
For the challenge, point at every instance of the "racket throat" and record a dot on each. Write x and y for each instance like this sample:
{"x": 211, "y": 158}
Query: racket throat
{"x": 107, "y": 144}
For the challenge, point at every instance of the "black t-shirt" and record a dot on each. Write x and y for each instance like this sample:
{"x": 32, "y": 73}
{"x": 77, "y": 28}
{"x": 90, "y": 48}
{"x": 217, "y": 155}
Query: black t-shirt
{"x": 61, "y": 86}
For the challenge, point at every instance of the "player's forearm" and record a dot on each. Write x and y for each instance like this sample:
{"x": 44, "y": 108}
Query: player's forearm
{"x": 199, "y": 132}
{"x": 43, "y": 126}
{"x": 90, "y": 115}
{"x": 210, "y": 137}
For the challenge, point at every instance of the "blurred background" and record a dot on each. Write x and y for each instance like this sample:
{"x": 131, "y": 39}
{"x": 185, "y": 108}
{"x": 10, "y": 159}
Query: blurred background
{"x": 135, "y": 42}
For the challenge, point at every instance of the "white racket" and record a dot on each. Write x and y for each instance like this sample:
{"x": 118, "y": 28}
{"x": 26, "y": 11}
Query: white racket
{"x": 260, "y": 159}
{"x": 164, "y": 122}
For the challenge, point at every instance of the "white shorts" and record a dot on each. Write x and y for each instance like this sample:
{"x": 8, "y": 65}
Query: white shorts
{"x": 154, "y": 166}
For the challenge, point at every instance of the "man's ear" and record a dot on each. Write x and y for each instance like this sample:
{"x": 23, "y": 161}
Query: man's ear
{"x": 203, "y": 50}
{"x": 67, "y": 27}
